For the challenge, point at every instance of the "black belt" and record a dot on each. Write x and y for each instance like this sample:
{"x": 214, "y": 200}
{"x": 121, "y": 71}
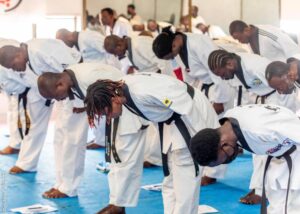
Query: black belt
{"x": 48, "y": 103}
{"x": 240, "y": 95}
{"x": 183, "y": 131}
{"x": 287, "y": 157}
{"x": 110, "y": 145}
{"x": 205, "y": 87}
{"x": 264, "y": 97}
{"x": 23, "y": 97}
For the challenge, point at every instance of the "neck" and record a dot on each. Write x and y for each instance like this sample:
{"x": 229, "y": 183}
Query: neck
{"x": 126, "y": 40}
{"x": 253, "y": 33}
{"x": 227, "y": 130}
{"x": 111, "y": 25}
{"x": 66, "y": 77}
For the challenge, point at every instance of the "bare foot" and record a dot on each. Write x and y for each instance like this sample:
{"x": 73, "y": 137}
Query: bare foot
{"x": 92, "y": 145}
{"x": 54, "y": 193}
{"x": 16, "y": 170}
{"x": 50, "y": 190}
{"x": 207, "y": 181}
{"x": 147, "y": 164}
{"x": 112, "y": 209}
{"x": 9, "y": 151}
{"x": 251, "y": 198}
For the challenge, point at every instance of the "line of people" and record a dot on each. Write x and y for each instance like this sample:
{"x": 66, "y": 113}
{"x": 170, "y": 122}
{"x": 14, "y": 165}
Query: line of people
{"x": 126, "y": 87}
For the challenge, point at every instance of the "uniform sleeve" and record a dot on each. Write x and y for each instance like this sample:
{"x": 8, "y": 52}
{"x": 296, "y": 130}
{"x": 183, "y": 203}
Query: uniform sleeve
{"x": 289, "y": 47}
{"x": 222, "y": 92}
{"x": 203, "y": 53}
{"x": 58, "y": 63}
{"x": 97, "y": 42}
{"x": 287, "y": 132}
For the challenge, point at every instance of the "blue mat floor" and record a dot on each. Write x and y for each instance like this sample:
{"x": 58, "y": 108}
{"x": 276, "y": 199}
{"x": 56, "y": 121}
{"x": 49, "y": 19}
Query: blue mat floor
{"x": 26, "y": 189}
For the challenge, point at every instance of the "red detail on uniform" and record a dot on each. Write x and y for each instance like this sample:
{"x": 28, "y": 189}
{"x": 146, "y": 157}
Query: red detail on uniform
{"x": 5, "y": 2}
{"x": 178, "y": 73}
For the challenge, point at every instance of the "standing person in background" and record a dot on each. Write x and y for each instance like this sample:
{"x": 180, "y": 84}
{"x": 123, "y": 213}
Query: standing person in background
{"x": 114, "y": 26}
{"x": 134, "y": 18}
{"x": 196, "y": 19}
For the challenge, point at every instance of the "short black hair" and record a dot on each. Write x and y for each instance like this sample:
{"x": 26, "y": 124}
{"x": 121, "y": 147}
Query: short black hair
{"x": 108, "y": 10}
{"x": 276, "y": 69}
{"x": 131, "y": 6}
{"x": 237, "y": 26}
{"x": 162, "y": 44}
{"x": 204, "y": 146}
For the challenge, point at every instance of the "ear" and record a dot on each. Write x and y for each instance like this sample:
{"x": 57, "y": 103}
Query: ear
{"x": 117, "y": 99}
{"x": 223, "y": 140}
{"x": 230, "y": 64}
{"x": 247, "y": 31}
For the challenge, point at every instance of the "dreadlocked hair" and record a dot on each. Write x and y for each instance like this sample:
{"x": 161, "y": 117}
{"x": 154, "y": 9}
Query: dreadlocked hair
{"x": 98, "y": 97}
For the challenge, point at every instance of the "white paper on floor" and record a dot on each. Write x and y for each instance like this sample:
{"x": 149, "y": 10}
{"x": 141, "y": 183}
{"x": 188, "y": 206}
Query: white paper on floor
{"x": 153, "y": 187}
{"x": 206, "y": 209}
{"x": 103, "y": 167}
{"x": 36, "y": 208}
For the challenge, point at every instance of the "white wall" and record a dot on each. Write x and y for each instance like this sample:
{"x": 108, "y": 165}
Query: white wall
{"x": 18, "y": 24}
{"x": 218, "y": 12}
{"x": 290, "y": 16}
{"x": 261, "y": 12}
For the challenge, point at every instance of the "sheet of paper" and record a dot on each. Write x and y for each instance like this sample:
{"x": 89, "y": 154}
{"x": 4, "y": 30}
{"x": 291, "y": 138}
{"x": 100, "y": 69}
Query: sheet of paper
{"x": 153, "y": 187}
{"x": 36, "y": 208}
{"x": 202, "y": 209}
{"x": 103, "y": 167}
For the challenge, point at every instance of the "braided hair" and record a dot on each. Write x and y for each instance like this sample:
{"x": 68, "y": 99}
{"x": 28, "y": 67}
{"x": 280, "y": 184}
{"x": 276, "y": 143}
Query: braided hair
{"x": 99, "y": 97}
{"x": 218, "y": 59}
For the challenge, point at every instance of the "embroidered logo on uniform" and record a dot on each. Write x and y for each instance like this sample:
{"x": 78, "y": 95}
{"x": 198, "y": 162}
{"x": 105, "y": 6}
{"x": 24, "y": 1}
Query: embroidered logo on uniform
{"x": 256, "y": 82}
{"x": 167, "y": 102}
{"x": 272, "y": 108}
{"x": 275, "y": 149}
{"x": 286, "y": 142}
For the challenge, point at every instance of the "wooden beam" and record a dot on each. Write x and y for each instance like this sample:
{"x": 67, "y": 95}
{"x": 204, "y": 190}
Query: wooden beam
{"x": 190, "y": 15}
{"x": 84, "y": 18}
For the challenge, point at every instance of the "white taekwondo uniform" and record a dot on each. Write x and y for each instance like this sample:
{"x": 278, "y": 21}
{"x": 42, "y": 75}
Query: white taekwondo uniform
{"x": 194, "y": 57}
{"x": 13, "y": 85}
{"x": 215, "y": 32}
{"x": 120, "y": 28}
{"x": 274, "y": 44}
{"x": 253, "y": 72}
{"x": 142, "y": 57}
{"x": 272, "y": 130}
{"x": 45, "y": 55}
{"x": 70, "y": 153}
{"x": 91, "y": 47}
{"x": 158, "y": 96}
